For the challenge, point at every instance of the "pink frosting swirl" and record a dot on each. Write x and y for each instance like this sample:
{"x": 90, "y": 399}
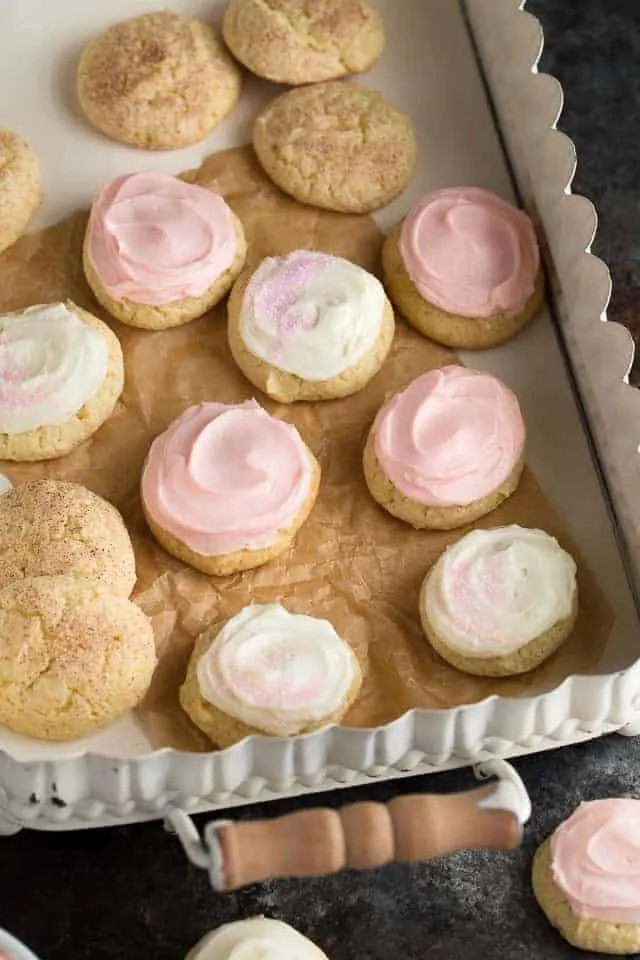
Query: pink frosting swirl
{"x": 226, "y": 478}
{"x": 451, "y": 437}
{"x": 470, "y": 253}
{"x": 595, "y": 860}
{"x": 154, "y": 239}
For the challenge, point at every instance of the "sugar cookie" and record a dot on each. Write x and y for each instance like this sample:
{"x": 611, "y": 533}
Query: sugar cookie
{"x": 54, "y": 527}
{"x": 159, "y": 252}
{"x": 159, "y": 81}
{"x": 61, "y": 375}
{"x": 464, "y": 268}
{"x": 295, "y": 42}
{"x": 586, "y": 877}
{"x": 499, "y": 602}
{"x": 309, "y": 326}
{"x": 446, "y": 450}
{"x": 20, "y": 191}
{"x": 268, "y": 671}
{"x": 256, "y": 937}
{"x": 226, "y": 488}
{"x": 73, "y": 657}
{"x": 336, "y": 145}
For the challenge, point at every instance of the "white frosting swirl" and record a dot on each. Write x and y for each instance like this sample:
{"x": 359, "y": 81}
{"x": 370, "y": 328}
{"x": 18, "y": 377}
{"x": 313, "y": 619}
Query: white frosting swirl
{"x": 258, "y": 938}
{"x": 277, "y": 671}
{"x": 311, "y": 314}
{"x": 494, "y": 591}
{"x": 51, "y": 363}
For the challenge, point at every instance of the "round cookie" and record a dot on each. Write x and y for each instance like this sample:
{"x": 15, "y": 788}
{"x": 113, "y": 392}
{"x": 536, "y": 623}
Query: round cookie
{"x": 255, "y": 937}
{"x": 73, "y": 657}
{"x": 296, "y": 42}
{"x": 586, "y": 877}
{"x": 499, "y": 602}
{"x": 61, "y": 375}
{"x": 159, "y": 252}
{"x": 20, "y": 191}
{"x": 269, "y": 672}
{"x": 57, "y": 528}
{"x": 227, "y": 487}
{"x": 309, "y": 326}
{"x": 336, "y": 145}
{"x": 464, "y": 268}
{"x": 159, "y": 81}
{"x": 446, "y": 450}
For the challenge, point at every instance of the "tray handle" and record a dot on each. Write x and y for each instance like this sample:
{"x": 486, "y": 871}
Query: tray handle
{"x": 359, "y": 836}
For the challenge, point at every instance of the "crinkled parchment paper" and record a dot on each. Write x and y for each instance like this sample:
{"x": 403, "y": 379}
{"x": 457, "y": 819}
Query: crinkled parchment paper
{"x": 351, "y": 562}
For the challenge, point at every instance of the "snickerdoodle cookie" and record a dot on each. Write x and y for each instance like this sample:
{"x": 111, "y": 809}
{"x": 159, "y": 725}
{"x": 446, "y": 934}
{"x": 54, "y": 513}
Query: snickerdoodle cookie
{"x": 73, "y": 657}
{"x": 296, "y": 42}
{"x": 54, "y": 527}
{"x": 464, "y": 268}
{"x": 159, "y": 81}
{"x": 269, "y": 671}
{"x": 499, "y": 602}
{"x": 159, "y": 252}
{"x": 227, "y": 487}
{"x": 446, "y": 450}
{"x": 309, "y": 326}
{"x": 20, "y": 191}
{"x": 586, "y": 877}
{"x": 336, "y": 145}
{"x": 61, "y": 375}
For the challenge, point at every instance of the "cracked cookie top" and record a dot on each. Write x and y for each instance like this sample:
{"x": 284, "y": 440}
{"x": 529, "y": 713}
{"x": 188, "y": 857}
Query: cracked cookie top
{"x": 336, "y": 145}
{"x": 304, "y": 41}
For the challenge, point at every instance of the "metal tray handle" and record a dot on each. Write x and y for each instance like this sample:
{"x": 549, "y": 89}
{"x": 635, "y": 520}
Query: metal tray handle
{"x": 360, "y": 836}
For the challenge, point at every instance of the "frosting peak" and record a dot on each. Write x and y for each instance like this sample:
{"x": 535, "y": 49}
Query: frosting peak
{"x": 154, "y": 239}
{"x": 311, "y": 314}
{"x": 453, "y": 436}
{"x": 224, "y": 478}
{"x": 277, "y": 671}
{"x": 470, "y": 253}
{"x": 494, "y": 591}
{"x": 51, "y": 364}
{"x": 595, "y": 860}
{"x": 259, "y": 938}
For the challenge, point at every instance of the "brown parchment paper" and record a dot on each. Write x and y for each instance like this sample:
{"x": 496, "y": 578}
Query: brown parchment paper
{"x": 351, "y": 562}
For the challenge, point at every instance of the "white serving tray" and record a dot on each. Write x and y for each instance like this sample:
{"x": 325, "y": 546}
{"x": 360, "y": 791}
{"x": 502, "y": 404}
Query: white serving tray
{"x": 466, "y": 73}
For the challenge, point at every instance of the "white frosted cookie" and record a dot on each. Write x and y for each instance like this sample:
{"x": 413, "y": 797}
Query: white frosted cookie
{"x": 309, "y": 326}
{"x": 268, "y": 671}
{"x": 499, "y": 602}
{"x": 258, "y": 937}
{"x": 586, "y": 877}
{"x": 61, "y": 375}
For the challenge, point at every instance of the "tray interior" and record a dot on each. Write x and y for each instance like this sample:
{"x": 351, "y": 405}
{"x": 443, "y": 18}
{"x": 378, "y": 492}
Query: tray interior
{"x": 430, "y": 70}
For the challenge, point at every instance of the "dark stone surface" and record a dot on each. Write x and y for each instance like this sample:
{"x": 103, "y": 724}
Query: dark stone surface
{"x": 128, "y": 893}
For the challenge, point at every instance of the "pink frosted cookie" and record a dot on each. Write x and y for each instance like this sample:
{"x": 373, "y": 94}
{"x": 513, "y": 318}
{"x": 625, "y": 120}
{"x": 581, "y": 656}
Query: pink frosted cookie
{"x": 586, "y": 877}
{"x": 446, "y": 450}
{"x": 499, "y": 602}
{"x": 309, "y": 326}
{"x": 464, "y": 268}
{"x": 159, "y": 252}
{"x": 269, "y": 671}
{"x": 227, "y": 487}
